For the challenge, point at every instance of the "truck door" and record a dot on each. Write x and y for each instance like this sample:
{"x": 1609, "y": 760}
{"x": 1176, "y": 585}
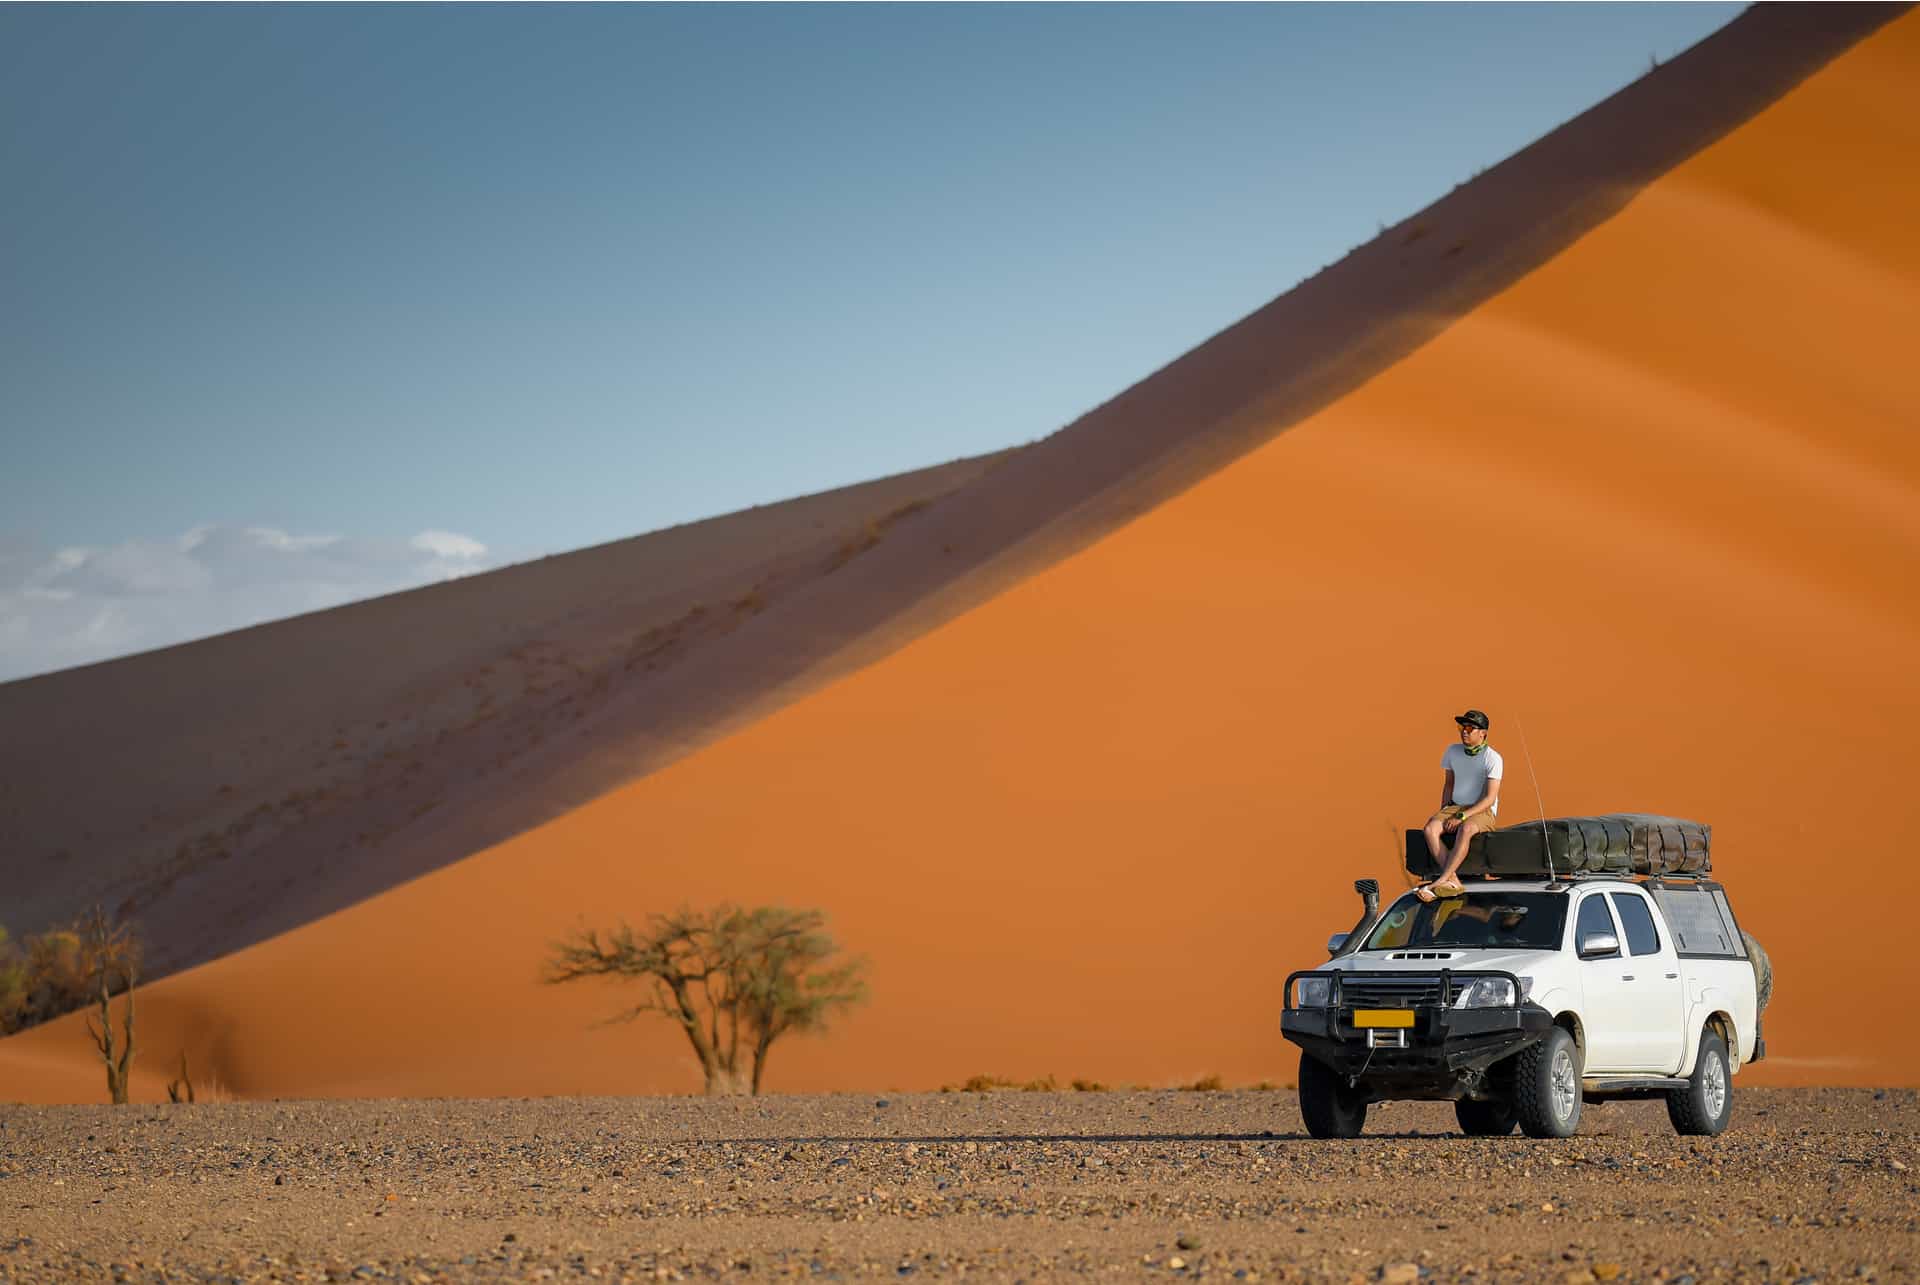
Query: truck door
{"x": 1653, "y": 975}
{"x": 1609, "y": 993}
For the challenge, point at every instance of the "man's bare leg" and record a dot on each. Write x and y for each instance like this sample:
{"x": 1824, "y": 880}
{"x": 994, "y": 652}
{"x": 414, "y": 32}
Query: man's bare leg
{"x": 1462, "y": 841}
{"x": 1435, "y": 828}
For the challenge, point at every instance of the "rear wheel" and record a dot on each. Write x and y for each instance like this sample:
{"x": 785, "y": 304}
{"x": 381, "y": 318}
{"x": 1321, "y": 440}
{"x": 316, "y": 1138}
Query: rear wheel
{"x": 1485, "y": 1119}
{"x": 1703, "y": 1108}
{"x": 1546, "y": 1086}
{"x": 1330, "y": 1107}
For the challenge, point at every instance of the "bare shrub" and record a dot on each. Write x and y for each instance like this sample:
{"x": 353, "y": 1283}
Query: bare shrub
{"x": 181, "y": 1090}
{"x": 110, "y": 958}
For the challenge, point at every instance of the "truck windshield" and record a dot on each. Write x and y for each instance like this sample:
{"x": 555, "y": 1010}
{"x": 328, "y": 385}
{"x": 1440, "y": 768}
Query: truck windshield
{"x": 1481, "y": 920}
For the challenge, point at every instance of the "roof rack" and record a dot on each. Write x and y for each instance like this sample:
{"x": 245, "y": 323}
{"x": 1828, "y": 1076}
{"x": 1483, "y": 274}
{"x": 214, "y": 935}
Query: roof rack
{"x": 1568, "y": 878}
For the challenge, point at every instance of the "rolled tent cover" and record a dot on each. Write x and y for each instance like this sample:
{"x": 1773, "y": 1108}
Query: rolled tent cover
{"x": 1625, "y": 843}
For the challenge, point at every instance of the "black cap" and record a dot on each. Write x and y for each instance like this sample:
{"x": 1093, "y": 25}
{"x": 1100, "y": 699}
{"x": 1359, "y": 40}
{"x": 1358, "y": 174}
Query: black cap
{"x": 1472, "y": 718}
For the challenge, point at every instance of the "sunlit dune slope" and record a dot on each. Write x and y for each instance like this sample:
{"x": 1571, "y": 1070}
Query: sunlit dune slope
{"x": 1658, "y": 503}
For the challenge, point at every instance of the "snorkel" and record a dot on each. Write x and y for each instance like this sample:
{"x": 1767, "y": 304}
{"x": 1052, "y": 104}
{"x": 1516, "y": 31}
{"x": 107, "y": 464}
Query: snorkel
{"x": 1369, "y": 890}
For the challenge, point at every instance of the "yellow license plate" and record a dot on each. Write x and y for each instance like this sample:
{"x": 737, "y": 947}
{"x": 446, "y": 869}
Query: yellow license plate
{"x": 1376, "y": 1017}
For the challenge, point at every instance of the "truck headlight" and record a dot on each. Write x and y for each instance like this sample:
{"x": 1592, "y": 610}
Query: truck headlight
{"x": 1487, "y": 992}
{"x": 1312, "y": 992}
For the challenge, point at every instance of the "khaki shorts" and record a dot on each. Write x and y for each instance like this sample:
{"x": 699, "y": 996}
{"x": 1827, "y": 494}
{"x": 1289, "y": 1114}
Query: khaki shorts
{"x": 1480, "y": 821}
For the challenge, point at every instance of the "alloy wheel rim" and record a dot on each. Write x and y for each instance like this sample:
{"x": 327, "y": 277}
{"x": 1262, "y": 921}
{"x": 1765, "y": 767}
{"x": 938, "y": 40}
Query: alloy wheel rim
{"x": 1716, "y": 1085}
{"x": 1564, "y": 1087}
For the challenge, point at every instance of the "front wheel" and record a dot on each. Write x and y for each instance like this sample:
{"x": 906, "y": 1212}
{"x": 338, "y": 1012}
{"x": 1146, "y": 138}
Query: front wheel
{"x": 1485, "y": 1119}
{"x": 1703, "y": 1108}
{"x": 1330, "y": 1108}
{"x": 1546, "y": 1086}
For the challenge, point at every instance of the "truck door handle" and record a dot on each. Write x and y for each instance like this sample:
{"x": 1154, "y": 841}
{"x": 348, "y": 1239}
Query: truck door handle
{"x": 1626, "y": 977}
{"x": 1672, "y": 976}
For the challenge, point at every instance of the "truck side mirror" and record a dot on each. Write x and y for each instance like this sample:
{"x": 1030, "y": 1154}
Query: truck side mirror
{"x": 1599, "y": 945}
{"x": 1335, "y": 942}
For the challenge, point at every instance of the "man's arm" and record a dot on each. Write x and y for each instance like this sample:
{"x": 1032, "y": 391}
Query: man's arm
{"x": 1491, "y": 797}
{"x": 1446, "y": 791}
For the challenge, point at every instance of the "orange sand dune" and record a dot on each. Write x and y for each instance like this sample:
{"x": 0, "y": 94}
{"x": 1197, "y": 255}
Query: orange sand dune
{"x": 230, "y": 789}
{"x": 1658, "y": 501}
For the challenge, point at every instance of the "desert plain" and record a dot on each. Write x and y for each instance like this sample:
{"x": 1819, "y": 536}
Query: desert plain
{"x": 1809, "y": 1185}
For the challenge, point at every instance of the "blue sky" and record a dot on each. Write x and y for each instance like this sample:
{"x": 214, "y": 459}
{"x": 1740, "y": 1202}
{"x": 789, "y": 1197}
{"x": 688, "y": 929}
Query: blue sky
{"x": 453, "y": 285}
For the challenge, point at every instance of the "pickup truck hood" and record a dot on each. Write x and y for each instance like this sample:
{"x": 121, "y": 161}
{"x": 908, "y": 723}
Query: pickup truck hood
{"x": 1521, "y": 963}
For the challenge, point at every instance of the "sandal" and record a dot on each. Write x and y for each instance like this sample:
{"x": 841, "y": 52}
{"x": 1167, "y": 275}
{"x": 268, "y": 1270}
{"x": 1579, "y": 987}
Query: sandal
{"x": 1425, "y": 893}
{"x": 1448, "y": 888}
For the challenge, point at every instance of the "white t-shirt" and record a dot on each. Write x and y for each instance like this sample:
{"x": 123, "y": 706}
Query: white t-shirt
{"x": 1471, "y": 772}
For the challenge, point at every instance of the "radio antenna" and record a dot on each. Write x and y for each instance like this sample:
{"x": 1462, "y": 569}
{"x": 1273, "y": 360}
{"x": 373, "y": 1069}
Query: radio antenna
{"x": 1545, "y": 846}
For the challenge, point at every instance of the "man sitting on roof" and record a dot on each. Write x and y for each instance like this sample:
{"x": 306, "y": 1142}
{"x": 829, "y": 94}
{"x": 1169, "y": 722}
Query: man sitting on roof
{"x": 1469, "y": 802}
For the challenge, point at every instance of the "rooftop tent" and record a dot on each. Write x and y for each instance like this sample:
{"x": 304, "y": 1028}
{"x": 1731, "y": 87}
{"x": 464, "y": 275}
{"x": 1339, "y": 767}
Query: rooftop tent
{"x": 1622, "y": 843}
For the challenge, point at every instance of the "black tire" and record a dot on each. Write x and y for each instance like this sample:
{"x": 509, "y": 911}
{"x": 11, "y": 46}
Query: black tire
{"x": 1546, "y": 1086}
{"x": 1762, "y": 971}
{"x": 1703, "y": 1108}
{"x": 1485, "y": 1119}
{"x": 1331, "y": 1109}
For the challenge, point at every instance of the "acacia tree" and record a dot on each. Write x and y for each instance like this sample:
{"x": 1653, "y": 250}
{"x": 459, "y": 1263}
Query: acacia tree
{"x": 110, "y": 960}
{"x": 733, "y": 980}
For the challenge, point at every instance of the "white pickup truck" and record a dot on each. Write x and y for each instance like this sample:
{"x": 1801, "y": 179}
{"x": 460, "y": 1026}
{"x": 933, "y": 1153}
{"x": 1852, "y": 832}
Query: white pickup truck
{"x": 1523, "y": 998}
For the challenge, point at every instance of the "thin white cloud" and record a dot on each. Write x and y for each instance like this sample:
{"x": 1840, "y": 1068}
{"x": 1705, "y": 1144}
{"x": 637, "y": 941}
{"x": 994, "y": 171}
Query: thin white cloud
{"x": 445, "y": 544}
{"x": 77, "y": 605}
{"x": 272, "y": 538}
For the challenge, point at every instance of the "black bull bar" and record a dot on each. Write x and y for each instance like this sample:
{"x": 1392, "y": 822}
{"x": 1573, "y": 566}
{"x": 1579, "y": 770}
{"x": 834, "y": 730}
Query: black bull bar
{"x": 1443, "y": 1053}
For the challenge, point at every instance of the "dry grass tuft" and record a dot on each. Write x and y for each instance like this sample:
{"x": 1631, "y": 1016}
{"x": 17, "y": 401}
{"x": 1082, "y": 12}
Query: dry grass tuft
{"x": 855, "y": 545}
{"x": 870, "y": 533}
{"x": 1045, "y": 1084}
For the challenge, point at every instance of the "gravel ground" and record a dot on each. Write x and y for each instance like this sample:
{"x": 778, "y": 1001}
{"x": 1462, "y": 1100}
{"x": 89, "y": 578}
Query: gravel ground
{"x": 1806, "y": 1185}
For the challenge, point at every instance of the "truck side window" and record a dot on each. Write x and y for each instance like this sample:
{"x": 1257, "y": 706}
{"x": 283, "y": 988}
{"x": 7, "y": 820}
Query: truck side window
{"x": 1738, "y": 944}
{"x": 1593, "y": 919}
{"x": 1642, "y": 937}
